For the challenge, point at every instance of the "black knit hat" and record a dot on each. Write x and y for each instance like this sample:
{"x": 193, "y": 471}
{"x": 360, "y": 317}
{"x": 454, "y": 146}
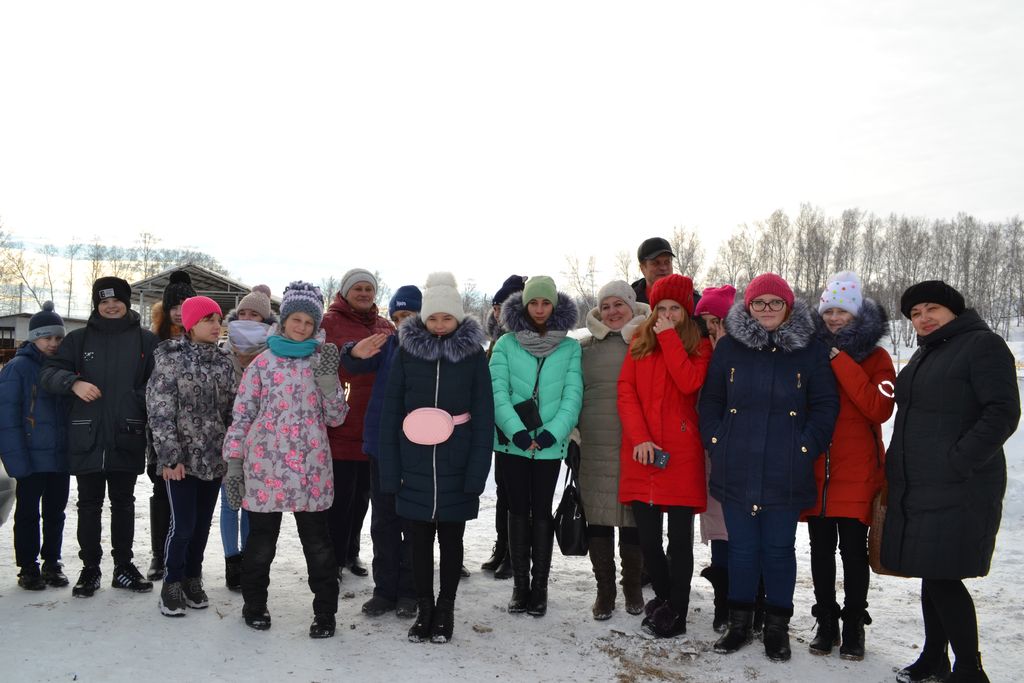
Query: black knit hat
{"x": 111, "y": 287}
{"x": 177, "y": 290}
{"x": 932, "y": 292}
{"x": 512, "y": 284}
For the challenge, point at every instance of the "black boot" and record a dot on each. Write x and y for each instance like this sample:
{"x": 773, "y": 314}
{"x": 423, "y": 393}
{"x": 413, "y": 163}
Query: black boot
{"x": 740, "y": 631}
{"x": 631, "y": 560}
{"x": 853, "y": 634}
{"x": 718, "y": 577}
{"x": 543, "y": 539}
{"x": 420, "y": 630}
{"x": 497, "y": 555}
{"x": 602, "y": 557}
{"x": 233, "y": 572}
{"x": 519, "y": 554}
{"x": 776, "y": 633}
{"x": 323, "y": 626}
{"x": 159, "y": 525}
{"x": 931, "y": 665}
{"x": 443, "y": 621}
{"x": 827, "y": 635}
{"x": 968, "y": 671}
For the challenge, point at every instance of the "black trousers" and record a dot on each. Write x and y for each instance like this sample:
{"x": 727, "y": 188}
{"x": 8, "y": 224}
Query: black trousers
{"x": 264, "y": 529}
{"x": 628, "y": 535}
{"x": 670, "y": 580}
{"x": 501, "y": 504}
{"x": 193, "y": 501}
{"x": 47, "y": 491}
{"x": 120, "y": 488}
{"x": 449, "y": 537}
{"x": 852, "y": 537}
{"x": 949, "y": 617}
{"x": 529, "y": 484}
{"x": 351, "y": 501}
{"x": 392, "y": 544}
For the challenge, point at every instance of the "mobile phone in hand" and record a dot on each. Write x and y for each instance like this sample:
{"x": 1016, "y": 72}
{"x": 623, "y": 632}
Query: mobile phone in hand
{"x": 660, "y": 459}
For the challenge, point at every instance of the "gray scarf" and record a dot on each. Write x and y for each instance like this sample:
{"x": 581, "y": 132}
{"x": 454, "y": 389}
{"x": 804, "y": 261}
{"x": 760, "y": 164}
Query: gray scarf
{"x": 540, "y": 345}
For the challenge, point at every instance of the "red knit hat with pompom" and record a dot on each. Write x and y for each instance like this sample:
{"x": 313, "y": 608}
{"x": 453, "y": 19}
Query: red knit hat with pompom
{"x": 676, "y": 287}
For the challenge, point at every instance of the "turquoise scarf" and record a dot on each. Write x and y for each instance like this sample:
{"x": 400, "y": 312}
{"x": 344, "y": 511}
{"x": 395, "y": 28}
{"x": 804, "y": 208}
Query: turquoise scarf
{"x": 286, "y": 348}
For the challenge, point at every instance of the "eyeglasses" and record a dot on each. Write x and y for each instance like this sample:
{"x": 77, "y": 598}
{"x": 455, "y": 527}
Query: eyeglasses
{"x": 760, "y": 305}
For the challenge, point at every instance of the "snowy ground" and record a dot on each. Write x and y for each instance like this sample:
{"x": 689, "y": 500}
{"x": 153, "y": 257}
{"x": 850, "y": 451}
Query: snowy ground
{"x": 49, "y": 636}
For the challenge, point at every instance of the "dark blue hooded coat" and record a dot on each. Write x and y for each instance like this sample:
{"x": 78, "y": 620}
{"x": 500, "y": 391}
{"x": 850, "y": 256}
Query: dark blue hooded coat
{"x": 33, "y": 422}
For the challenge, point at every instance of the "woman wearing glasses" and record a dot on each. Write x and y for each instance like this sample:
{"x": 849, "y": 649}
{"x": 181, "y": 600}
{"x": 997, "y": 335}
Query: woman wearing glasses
{"x": 767, "y": 411}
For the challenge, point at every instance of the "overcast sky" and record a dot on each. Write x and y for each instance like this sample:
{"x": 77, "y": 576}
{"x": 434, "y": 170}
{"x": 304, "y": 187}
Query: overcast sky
{"x": 297, "y": 140}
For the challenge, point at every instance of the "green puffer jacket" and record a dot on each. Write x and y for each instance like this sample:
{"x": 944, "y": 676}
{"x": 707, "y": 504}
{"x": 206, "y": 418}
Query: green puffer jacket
{"x": 514, "y": 371}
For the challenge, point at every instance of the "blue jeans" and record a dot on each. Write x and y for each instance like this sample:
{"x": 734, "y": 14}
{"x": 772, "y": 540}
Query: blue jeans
{"x": 192, "y": 503}
{"x": 392, "y": 544}
{"x": 230, "y": 526}
{"x": 762, "y": 545}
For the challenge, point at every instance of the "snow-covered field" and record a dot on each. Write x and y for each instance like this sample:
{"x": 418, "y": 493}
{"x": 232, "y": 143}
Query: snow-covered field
{"x": 117, "y": 636}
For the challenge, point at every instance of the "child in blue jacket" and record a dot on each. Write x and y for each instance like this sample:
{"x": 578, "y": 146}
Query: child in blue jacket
{"x": 34, "y": 449}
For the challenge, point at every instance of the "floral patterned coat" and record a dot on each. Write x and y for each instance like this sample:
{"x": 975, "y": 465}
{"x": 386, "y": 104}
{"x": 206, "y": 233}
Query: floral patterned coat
{"x": 280, "y": 432}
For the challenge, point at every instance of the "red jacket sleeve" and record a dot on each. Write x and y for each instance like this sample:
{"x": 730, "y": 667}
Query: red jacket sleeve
{"x": 869, "y": 385}
{"x": 634, "y": 426}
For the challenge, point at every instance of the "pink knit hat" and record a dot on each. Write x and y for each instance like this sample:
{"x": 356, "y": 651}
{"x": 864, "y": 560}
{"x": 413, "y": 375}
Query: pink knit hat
{"x": 716, "y": 301}
{"x": 676, "y": 287}
{"x": 768, "y": 283}
{"x": 196, "y": 308}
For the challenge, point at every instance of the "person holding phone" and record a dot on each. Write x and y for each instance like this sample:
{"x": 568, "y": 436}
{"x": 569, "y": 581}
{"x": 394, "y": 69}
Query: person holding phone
{"x": 662, "y": 458}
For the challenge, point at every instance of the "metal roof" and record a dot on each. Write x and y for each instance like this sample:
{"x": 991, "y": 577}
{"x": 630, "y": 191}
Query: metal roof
{"x": 222, "y": 289}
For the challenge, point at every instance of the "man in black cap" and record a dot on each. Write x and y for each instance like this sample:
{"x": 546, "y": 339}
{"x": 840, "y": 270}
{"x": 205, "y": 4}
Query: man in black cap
{"x": 655, "y": 256}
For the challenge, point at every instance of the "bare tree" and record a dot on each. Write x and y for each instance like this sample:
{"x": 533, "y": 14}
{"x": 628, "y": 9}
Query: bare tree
{"x": 49, "y": 253}
{"x": 582, "y": 280}
{"x": 329, "y": 286}
{"x": 146, "y": 253}
{"x": 624, "y": 264}
{"x": 96, "y": 252}
{"x": 383, "y": 291}
{"x": 689, "y": 252}
{"x": 775, "y": 243}
{"x": 71, "y": 252}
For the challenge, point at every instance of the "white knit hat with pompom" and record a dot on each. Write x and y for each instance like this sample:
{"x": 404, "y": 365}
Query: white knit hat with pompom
{"x": 441, "y": 295}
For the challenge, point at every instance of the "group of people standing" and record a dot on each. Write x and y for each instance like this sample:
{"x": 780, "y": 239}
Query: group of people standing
{"x": 755, "y": 412}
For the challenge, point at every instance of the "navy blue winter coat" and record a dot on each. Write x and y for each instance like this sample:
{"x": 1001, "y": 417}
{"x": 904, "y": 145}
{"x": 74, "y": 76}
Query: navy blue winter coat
{"x": 381, "y": 364}
{"x": 33, "y": 422}
{"x": 767, "y": 411}
{"x": 441, "y": 482}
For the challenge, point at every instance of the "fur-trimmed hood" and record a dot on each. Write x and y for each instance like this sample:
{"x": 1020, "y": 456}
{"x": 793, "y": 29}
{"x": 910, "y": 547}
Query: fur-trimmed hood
{"x": 599, "y": 330}
{"x": 494, "y": 328}
{"x": 156, "y": 317}
{"x": 467, "y": 339}
{"x": 514, "y": 317}
{"x": 792, "y": 335}
{"x": 860, "y": 338}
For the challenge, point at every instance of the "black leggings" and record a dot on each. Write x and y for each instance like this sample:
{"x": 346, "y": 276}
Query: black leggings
{"x": 949, "y": 617}
{"x": 449, "y": 537}
{"x": 628, "y": 535}
{"x": 529, "y": 484}
{"x": 671, "y": 581}
{"x": 852, "y": 537}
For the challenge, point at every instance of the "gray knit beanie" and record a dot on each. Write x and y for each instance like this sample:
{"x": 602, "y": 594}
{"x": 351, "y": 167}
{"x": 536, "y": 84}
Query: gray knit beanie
{"x": 349, "y": 279}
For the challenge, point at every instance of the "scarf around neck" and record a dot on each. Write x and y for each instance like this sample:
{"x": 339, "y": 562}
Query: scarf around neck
{"x": 286, "y": 348}
{"x": 540, "y": 345}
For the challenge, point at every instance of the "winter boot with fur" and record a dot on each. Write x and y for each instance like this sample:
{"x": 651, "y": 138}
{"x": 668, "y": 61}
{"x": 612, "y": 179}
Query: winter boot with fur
{"x": 853, "y": 634}
{"x": 632, "y": 560}
{"x": 740, "y": 631}
{"x": 827, "y": 635}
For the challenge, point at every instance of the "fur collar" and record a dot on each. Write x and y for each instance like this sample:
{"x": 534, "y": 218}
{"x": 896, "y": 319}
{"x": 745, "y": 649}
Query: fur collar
{"x": 599, "y": 330}
{"x": 793, "y": 335}
{"x": 467, "y": 339}
{"x": 513, "y": 314}
{"x": 860, "y": 338}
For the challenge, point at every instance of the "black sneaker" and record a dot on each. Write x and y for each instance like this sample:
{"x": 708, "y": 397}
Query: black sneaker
{"x": 256, "y": 617}
{"x": 195, "y": 596}
{"x": 172, "y": 599}
{"x": 322, "y": 626}
{"x": 30, "y": 579}
{"x": 88, "y": 582}
{"x": 53, "y": 575}
{"x": 129, "y": 577}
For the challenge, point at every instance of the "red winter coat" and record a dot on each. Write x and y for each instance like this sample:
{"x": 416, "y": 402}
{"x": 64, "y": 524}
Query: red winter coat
{"x": 658, "y": 402}
{"x": 344, "y": 324}
{"x": 855, "y": 462}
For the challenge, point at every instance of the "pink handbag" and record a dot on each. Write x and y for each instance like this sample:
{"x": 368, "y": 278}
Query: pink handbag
{"x": 431, "y": 426}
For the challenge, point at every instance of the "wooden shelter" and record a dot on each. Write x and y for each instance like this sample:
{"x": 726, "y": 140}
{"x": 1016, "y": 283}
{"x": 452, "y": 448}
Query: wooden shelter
{"x": 220, "y": 288}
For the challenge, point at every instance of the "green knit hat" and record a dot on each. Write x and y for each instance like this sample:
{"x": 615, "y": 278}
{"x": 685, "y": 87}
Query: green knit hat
{"x": 540, "y": 287}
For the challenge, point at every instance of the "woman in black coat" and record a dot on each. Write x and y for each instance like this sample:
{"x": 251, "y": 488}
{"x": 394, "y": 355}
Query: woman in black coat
{"x": 957, "y": 403}
{"x": 440, "y": 364}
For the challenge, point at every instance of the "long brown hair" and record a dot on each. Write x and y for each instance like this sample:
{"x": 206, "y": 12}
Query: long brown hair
{"x": 645, "y": 340}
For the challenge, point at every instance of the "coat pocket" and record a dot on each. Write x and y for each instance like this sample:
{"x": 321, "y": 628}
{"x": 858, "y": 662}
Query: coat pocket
{"x": 82, "y": 436}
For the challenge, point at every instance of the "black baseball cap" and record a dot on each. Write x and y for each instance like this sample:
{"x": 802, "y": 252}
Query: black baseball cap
{"x": 654, "y": 247}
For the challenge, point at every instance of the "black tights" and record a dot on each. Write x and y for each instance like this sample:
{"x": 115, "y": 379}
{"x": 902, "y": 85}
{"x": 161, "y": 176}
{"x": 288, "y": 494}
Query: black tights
{"x": 671, "y": 580}
{"x": 949, "y": 617}
{"x": 627, "y": 534}
{"x": 449, "y": 537}
{"x": 852, "y": 538}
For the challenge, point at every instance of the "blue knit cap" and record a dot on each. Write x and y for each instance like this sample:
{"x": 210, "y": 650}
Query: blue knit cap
{"x": 46, "y": 323}
{"x": 302, "y": 297}
{"x": 406, "y": 298}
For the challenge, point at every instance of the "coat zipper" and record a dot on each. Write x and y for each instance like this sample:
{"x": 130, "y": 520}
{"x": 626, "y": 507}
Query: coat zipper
{"x": 437, "y": 388}
{"x": 824, "y": 485}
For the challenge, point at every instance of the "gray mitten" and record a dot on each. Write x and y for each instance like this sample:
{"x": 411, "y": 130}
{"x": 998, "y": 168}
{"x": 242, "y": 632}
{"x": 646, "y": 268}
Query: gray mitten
{"x": 326, "y": 371}
{"x": 234, "y": 484}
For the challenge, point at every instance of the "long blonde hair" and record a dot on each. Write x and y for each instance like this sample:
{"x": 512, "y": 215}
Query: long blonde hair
{"x": 645, "y": 341}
